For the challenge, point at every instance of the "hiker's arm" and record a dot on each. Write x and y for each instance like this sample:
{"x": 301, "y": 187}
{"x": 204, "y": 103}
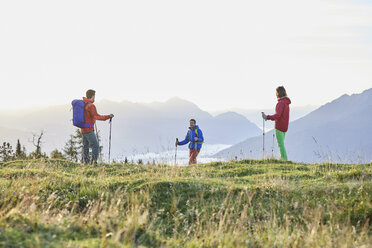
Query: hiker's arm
{"x": 185, "y": 141}
{"x": 98, "y": 116}
{"x": 278, "y": 113}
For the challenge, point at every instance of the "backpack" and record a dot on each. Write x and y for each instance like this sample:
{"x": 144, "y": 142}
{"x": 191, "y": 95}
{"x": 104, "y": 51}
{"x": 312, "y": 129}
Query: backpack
{"x": 78, "y": 109}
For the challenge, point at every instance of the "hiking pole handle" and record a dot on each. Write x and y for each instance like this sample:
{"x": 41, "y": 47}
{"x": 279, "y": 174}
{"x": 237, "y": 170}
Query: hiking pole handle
{"x": 111, "y": 116}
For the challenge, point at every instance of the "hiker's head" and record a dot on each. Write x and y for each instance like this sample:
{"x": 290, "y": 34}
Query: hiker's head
{"x": 192, "y": 123}
{"x": 91, "y": 94}
{"x": 280, "y": 92}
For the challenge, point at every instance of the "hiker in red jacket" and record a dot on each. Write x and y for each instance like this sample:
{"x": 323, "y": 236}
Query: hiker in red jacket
{"x": 89, "y": 137}
{"x": 281, "y": 119}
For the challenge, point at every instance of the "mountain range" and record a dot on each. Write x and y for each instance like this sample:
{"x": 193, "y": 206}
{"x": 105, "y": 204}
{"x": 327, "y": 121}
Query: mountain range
{"x": 339, "y": 131}
{"x": 254, "y": 115}
{"x": 136, "y": 127}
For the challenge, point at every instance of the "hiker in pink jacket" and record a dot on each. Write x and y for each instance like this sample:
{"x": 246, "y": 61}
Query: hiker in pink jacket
{"x": 281, "y": 119}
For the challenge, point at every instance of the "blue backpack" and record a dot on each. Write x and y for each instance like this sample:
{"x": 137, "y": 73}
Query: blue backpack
{"x": 78, "y": 109}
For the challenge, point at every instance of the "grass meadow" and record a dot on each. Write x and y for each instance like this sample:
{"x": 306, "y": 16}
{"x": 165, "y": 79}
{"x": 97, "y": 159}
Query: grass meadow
{"x": 248, "y": 203}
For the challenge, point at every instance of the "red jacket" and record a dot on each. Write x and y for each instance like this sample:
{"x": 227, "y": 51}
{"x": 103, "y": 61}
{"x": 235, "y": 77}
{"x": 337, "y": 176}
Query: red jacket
{"x": 91, "y": 115}
{"x": 281, "y": 116}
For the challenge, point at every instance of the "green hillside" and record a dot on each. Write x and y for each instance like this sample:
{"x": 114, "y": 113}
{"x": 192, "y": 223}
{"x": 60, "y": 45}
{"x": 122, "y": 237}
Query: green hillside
{"x": 250, "y": 203}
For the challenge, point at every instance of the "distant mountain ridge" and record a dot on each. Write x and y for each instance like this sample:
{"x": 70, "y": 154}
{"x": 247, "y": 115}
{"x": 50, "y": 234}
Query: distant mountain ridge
{"x": 339, "y": 131}
{"x": 136, "y": 127}
{"x": 254, "y": 115}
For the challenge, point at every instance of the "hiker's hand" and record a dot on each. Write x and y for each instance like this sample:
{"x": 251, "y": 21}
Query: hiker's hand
{"x": 111, "y": 116}
{"x": 264, "y": 116}
{"x": 177, "y": 143}
{"x": 196, "y": 138}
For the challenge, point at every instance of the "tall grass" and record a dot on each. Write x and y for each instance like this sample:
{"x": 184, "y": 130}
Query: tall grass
{"x": 249, "y": 203}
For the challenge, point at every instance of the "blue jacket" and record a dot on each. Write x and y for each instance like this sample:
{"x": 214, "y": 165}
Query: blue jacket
{"x": 190, "y": 137}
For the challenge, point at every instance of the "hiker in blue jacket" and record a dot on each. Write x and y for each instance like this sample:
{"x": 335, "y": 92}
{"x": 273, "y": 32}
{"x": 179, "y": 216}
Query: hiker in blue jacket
{"x": 195, "y": 137}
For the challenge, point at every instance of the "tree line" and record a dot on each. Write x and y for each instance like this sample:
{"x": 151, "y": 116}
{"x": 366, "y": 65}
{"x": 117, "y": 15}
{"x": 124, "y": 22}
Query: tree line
{"x": 73, "y": 149}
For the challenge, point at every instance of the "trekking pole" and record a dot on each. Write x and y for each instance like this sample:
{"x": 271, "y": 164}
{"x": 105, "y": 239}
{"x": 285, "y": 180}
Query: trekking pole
{"x": 110, "y": 139}
{"x": 272, "y": 148}
{"x": 95, "y": 126}
{"x": 175, "y": 156}
{"x": 263, "y": 138}
{"x": 99, "y": 147}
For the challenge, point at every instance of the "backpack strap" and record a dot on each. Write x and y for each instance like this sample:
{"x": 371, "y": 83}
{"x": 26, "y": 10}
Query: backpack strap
{"x": 88, "y": 125}
{"x": 197, "y": 135}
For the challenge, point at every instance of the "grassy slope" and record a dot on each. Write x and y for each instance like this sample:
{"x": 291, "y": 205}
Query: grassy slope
{"x": 245, "y": 203}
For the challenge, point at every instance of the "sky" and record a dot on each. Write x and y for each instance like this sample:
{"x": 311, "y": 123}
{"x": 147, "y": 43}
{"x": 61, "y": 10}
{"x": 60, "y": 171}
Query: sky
{"x": 217, "y": 54}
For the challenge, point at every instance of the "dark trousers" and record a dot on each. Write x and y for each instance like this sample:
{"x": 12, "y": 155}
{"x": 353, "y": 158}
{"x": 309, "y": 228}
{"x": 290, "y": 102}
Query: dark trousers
{"x": 90, "y": 140}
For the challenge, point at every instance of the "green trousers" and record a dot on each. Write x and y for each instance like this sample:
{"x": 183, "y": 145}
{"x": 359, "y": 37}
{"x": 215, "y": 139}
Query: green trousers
{"x": 280, "y": 138}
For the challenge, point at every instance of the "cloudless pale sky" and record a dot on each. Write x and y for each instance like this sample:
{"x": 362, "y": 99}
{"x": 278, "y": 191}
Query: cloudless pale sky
{"x": 217, "y": 54}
